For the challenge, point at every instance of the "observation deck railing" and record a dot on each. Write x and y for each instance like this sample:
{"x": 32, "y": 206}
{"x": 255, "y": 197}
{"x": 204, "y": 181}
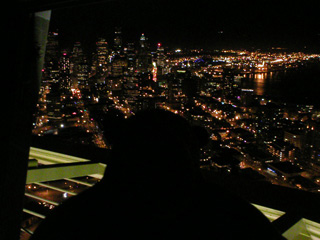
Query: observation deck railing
{"x": 55, "y": 166}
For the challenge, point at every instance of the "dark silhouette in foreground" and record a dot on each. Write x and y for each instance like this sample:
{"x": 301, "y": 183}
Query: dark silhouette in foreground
{"x": 153, "y": 189}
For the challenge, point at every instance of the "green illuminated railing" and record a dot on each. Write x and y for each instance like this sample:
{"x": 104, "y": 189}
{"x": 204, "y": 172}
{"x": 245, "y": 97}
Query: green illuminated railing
{"x": 57, "y": 166}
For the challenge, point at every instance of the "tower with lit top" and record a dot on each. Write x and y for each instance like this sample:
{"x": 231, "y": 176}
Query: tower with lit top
{"x": 142, "y": 41}
{"x": 160, "y": 59}
{"x": 79, "y": 67}
{"x": 118, "y": 40}
{"x": 64, "y": 71}
{"x": 144, "y": 61}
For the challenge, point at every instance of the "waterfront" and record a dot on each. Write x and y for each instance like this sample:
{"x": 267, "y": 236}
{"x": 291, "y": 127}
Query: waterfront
{"x": 296, "y": 86}
{"x": 95, "y": 64}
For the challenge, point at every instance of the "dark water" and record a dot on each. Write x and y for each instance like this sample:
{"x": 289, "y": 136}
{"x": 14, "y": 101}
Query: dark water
{"x": 298, "y": 86}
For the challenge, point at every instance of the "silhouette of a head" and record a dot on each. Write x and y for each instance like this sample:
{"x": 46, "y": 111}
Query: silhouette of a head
{"x": 157, "y": 147}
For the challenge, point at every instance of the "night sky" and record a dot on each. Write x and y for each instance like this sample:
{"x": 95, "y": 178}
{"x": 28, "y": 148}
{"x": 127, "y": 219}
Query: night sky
{"x": 201, "y": 23}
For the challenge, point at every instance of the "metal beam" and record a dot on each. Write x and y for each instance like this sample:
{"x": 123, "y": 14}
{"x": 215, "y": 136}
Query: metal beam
{"x": 41, "y": 199}
{"x": 50, "y": 157}
{"x": 80, "y": 182}
{"x": 34, "y": 213}
{"x": 271, "y": 214}
{"x": 61, "y": 171}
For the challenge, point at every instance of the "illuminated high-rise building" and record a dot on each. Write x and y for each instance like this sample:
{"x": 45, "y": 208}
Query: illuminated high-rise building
{"x": 52, "y": 47}
{"x": 119, "y": 64}
{"x": 131, "y": 90}
{"x": 79, "y": 67}
{"x": 178, "y": 87}
{"x": 160, "y": 56}
{"x": 77, "y": 51}
{"x": 83, "y": 74}
{"x": 64, "y": 71}
{"x": 297, "y": 138}
{"x": 160, "y": 60}
{"x": 144, "y": 60}
{"x": 118, "y": 40}
{"x": 76, "y": 56}
{"x": 131, "y": 56}
{"x": 102, "y": 55}
{"x": 51, "y": 66}
{"x": 53, "y": 103}
{"x": 143, "y": 41}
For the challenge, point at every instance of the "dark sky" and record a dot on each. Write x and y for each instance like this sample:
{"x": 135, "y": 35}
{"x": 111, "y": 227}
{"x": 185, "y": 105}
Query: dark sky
{"x": 199, "y": 23}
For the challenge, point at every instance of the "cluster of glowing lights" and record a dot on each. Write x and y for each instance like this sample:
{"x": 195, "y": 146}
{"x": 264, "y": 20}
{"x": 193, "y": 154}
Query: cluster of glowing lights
{"x": 154, "y": 71}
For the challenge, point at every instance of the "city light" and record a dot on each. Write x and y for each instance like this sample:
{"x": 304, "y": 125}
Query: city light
{"x": 225, "y": 91}
{"x": 244, "y": 76}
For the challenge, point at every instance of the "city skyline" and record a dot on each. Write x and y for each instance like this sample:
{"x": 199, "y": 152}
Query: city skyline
{"x": 242, "y": 75}
{"x": 225, "y": 91}
{"x": 208, "y": 24}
